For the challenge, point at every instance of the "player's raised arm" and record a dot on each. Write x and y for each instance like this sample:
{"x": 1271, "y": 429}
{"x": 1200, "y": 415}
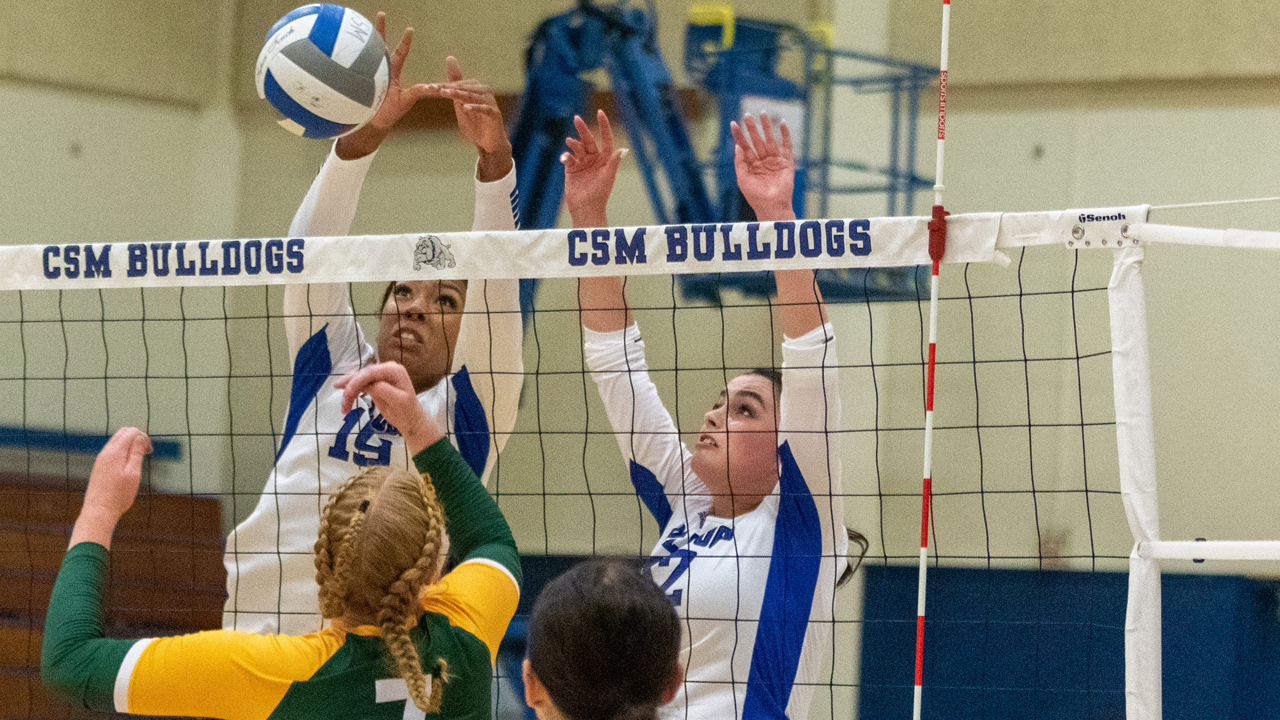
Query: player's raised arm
{"x": 657, "y": 461}
{"x": 590, "y": 168}
{"x": 77, "y": 662}
{"x": 766, "y": 169}
{"x": 810, "y": 409}
{"x": 488, "y": 355}
{"x": 483, "y": 590}
{"x": 329, "y": 208}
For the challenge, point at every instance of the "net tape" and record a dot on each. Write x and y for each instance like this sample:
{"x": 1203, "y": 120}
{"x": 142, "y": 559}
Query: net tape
{"x": 645, "y": 250}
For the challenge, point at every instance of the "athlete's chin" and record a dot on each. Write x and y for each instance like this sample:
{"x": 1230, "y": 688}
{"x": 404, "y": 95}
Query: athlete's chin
{"x": 706, "y": 465}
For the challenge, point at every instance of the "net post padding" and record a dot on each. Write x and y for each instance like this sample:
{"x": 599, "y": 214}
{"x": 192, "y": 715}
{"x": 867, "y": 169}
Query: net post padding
{"x": 1135, "y": 440}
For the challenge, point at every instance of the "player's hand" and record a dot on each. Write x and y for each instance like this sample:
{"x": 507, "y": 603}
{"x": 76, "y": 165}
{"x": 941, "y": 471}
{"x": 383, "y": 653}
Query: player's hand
{"x": 479, "y": 120}
{"x": 766, "y": 168}
{"x": 398, "y": 101}
{"x": 391, "y": 390}
{"x": 590, "y": 169}
{"x": 113, "y": 485}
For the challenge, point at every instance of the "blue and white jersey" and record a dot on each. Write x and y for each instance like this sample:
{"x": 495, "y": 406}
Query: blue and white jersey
{"x": 755, "y": 593}
{"x": 271, "y": 585}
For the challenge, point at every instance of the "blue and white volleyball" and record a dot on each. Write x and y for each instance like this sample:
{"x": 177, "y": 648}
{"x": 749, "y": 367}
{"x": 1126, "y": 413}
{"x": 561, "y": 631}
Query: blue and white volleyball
{"x": 325, "y": 68}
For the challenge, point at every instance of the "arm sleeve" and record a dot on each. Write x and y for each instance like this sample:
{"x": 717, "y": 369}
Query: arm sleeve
{"x": 478, "y": 597}
{"x": 328, "y": 209}
{"x": 489, "y": 357}
{"x": 657, "y": 460}
{"x": 220, "y": 673}
{"x": 211, "y": 674}
{"x": 477, "y": 530}
{"x": 810, "y": 425}
{"x": 77, "y": 663}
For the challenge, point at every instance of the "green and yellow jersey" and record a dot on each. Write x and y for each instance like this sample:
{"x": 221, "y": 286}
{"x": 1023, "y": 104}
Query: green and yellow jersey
{"x": 339, "y": 672}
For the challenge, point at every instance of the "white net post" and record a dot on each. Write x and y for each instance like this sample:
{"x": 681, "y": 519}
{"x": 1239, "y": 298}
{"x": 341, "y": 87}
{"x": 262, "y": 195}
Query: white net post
{"x": 1135, "y": 440}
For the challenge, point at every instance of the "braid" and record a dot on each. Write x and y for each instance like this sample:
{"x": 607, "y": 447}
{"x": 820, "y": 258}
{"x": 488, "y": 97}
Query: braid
{"x": 399, "y": 608}
{"x": 331, "y": 599}
{"x": 343, "y": 566}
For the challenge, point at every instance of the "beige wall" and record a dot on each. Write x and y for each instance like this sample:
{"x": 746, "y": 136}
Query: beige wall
{"x": 153, "y": 49}
{"x": 1002, "y": 42}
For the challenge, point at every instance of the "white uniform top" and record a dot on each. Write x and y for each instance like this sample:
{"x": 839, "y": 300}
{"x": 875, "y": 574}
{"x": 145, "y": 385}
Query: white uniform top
{"x": 271, "y": 585}
{"x": 754, "y": 593}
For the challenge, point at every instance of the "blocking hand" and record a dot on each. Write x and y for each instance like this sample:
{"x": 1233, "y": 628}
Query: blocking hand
{"x": 398, "y": 101}
{"x": 389, "y": 386}
{"x": 589, "y": 171}
{"x": 117, "y": 471}
{"x": 765, "y": 167}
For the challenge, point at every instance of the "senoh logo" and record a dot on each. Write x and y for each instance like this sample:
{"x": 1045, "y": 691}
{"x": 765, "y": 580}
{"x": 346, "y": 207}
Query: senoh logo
{"x": 1088, "y": 217}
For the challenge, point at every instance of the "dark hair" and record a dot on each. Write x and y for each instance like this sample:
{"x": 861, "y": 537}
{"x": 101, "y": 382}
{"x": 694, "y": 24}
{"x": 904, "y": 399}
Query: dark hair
{"x": 772, "y": 374}
{"x": 605, "y": 641}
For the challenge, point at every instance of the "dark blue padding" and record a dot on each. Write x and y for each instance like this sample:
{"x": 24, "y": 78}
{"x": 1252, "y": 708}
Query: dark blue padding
{"x": 313, "y": 125}
{"x": 1002, "y": 643}
{"x": 78, "y": 442}
{"x": 324, "y": 34}
{"x": 650, "y": 492}
{"x": 311, "y": 368}
{"x": 469, "y": 423}
{"x": 788, "y": 595}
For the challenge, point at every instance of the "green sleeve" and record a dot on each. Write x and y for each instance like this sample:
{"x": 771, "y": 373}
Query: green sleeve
{"x": 475, "y": 525}
{"x": 77, "y": 663}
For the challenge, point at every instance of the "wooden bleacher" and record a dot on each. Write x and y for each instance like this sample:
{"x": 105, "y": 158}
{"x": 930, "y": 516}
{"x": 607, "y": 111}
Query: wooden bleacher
{"x": 166, "y": 577}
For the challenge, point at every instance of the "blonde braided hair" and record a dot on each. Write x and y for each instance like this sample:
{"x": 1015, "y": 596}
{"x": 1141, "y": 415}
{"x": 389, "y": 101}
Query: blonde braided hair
{"x": 379, "y": 545}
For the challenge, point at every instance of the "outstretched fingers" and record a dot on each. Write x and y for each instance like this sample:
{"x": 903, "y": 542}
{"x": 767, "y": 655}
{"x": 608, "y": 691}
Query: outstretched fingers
{"x": 788, "y": 150}
{"x": 741, "y": 145}
{"x": 585, "y": 136}
{"x": 770, "y": 142}
{"x": 400, "y": 54}
{"x": 606, "y": 132}
{"x": 757, "y": 137}
{"x": 452, "y": 69}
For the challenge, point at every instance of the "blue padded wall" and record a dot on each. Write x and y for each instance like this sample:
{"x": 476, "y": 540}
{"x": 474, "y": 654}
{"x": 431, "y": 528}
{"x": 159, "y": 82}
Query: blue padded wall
{"x": 1050, "y": 644}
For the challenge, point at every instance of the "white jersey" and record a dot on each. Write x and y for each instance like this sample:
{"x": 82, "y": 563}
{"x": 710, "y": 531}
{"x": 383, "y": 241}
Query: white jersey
{"x": 271, "y": 585}
{"x": 755, "y": 593}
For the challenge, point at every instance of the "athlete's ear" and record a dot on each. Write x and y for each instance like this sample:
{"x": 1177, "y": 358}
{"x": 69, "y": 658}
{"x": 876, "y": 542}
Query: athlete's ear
{"x": 677, "y": 679}
{"x": 535, "y": 693}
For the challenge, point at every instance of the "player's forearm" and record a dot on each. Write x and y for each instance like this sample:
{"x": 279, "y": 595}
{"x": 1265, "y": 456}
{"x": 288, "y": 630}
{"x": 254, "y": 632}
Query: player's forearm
{"x": 476, "y": 527}
{"x": 77, "y": 663}
{"x": 799, "y": 302}
{"x": 603, "y": 302}
{"x": 496, "y": 205}
{"x": 494, "y": 165}
{"x": 330, "y": 204}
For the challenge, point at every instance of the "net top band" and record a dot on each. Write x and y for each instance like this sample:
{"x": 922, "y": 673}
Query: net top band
{"x": 651, "y": 250}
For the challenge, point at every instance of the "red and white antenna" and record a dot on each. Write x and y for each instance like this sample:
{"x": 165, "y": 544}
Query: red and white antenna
{"x": 937, "y": 247}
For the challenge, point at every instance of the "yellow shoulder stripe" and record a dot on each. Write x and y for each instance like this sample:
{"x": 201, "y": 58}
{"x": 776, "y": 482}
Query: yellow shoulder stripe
{"x": 479, "y": 596}
{"x": 225, "y": 674}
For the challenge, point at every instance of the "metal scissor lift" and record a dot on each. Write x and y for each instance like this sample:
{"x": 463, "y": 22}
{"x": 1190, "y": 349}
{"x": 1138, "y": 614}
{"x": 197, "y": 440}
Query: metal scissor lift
{"x": 741, "y": 62}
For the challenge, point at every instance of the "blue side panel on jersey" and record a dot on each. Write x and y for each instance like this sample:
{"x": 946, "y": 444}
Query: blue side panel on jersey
{"x": 324, "y": 34}
{"x": 469, "y": 423}
{"x": 294, "y": 14}
{"x": 650, "y": 492}
{"x": 788, "y": 596}
{"x": 310, "y": 370}
{"x": 316, "y": 126}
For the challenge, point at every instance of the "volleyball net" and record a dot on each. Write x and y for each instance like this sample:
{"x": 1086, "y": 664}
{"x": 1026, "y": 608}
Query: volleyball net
{"x": 1043, "y": 501}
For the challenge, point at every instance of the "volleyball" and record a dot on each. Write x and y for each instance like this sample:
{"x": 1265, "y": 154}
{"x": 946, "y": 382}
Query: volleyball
{"x": 325, "y": 68}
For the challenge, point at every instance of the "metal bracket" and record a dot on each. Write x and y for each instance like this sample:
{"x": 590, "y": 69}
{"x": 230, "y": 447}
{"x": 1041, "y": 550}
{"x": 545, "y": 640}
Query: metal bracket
{"x": 1101, "y": 236}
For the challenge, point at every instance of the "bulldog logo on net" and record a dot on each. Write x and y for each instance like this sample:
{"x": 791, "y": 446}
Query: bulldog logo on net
{"x": 433, "y": 251}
